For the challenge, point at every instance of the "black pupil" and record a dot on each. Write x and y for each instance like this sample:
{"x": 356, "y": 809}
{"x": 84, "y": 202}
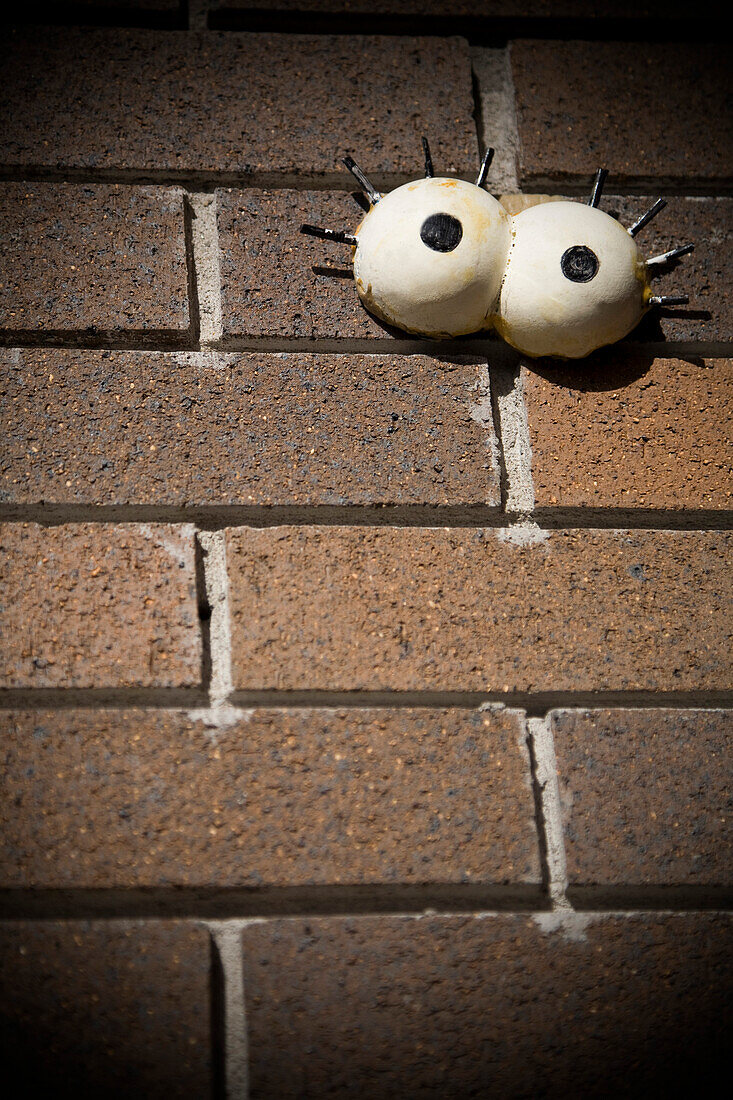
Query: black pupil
{"x": 579, "y": 264}
{"x": 441, "y": 232}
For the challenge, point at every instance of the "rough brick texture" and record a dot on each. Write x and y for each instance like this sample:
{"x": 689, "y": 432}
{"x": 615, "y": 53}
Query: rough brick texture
{"x": 488, "y": 10}
{"x": 233, "y": 103}
{"x": 419, "y": 609}
{"x": 158, "y": 12}
{"x": 92, "y": 605}
{"x": 630, "y": 431}
{"x": 634, "y": 107}
{"x": 279, "y": 798}
{"x": 278, "y": 281}
{"x": 106, "y": 1009}
{"x": 501, "y": 1006}
{"x": 377, "y": 845}
{"x": 646, "y": 797}
{"x": 124, "y": 428}
{"x": 704, "y": 275}
{"x": 102, "y": 259}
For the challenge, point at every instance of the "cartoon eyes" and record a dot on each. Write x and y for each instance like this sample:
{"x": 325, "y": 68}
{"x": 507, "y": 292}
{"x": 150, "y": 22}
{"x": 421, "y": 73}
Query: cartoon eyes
{"x": 579, "y": 264}
{"x": 441, "y": 232}
{"x": 563, "y": 298}
{"x": 441, "y": 257}
{"x": 430, "y": 257}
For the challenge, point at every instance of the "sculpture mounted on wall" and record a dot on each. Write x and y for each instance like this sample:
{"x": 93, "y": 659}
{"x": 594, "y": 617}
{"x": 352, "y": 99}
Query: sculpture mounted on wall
{"x": 441, "y": 257}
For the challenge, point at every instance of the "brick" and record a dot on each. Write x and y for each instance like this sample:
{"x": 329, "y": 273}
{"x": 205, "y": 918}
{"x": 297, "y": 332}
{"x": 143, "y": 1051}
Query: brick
{"x": 134, "y": 5}
{"x": 126, "y": 427}
{"x": 275, "y": 281}
{"x": 101, "y": 259}
{"x": 634, "y": 107}
{"x": 278, "y": 798}
{"x": 667, "y": 820}
{"x": 106, "y": 1009}
{"x": 704, "y": 274}
{"x": 90, "y": 605}
{"x": 502, "y": 1005}
{"x": 148, "y": 13}
{"x": 63, "y": 10}
{"x": 631, "y": 431}
{"x": 207, "y": 102}
{"x": 407, "y": 609}
{"x": 225, "y": 12}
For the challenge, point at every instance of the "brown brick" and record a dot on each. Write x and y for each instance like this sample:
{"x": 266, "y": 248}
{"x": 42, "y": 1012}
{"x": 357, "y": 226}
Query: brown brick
{"x": 204, "y": 102}
{"x": 159, "y": 12}
{"x": 646, "y": 796}
{"x": 103, "y": 259}
{"x": 637, "y": 108}
{"x": 89, "y": 605}
{"x": 419, "y": 609}
{"x": 106, "y": 1009}
{"x": 278, "y": 798}
{"x": 225, "y": 12}
{"x": 125, "y": 427}
{"x": 630, "y": 431}
{"x": 510, "y": 1006}
{"x": 278, "y": 282}
{"x": 705, "y": 274}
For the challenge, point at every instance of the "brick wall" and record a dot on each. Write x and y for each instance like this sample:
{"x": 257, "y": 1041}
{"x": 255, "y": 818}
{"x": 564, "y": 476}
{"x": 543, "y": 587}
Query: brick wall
{"x": 364, "y": 723}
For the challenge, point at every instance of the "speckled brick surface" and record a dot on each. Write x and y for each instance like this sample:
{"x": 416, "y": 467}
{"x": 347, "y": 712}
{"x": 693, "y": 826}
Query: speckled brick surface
{"x": 421, "y": 609}
{"x": 646, "y": 796}
{"x": 705, "y": 274}
{"x": 276, "y": 280}
{"x": 631, "y": 431}
{"x": 477, "y": 9}
{"x": 67, "y": 10}
{"x": 276, "y": 798}
{"x": 94, "y": 605}
{"x": 96, "y": 258}
{"x": 256, "y": 752}
{"x": 636, "y": 108}
{"x": 127, "y": 427}
{"x": 513, "y": 1006}
{"x": 205, "y": 102}
{"x": 106, "y": 1009}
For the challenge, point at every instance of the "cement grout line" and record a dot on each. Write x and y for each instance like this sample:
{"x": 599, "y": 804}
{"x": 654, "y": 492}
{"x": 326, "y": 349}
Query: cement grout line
{"x": 537, "y": 705}
{"x": 543, "y": 747}
{"x": 230, "y": 347}
{"x": 496, "y": 115}
{"x": 477, "y": 27}
{"x": 227, "y": 935}
{"x": 509, "y": 526}
{"x": 207, "y": 180}
{"x": 514, "y": 440}
{"x": 217, "y": 594}
{"x": 246, "y": 907}
{"x": 197, "y": 15}
{"x": 206, "y": 260}
{"x": 241, "y": 703}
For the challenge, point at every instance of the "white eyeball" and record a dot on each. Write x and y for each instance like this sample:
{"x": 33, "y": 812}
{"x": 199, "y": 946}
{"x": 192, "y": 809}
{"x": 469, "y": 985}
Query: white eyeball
{"x": 575, "y": 280}
{"x": 430, "y": 257}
